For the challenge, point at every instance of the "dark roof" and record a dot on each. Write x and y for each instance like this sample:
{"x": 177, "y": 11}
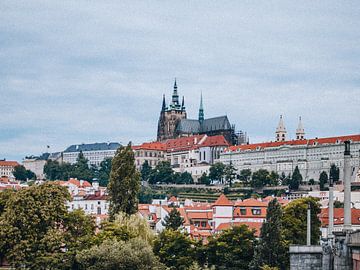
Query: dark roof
{"x": 92, "y": 147}
{"x": 211, "y": 124}
{"x": 188, "y": 126}
{"x": 216, "y": 123}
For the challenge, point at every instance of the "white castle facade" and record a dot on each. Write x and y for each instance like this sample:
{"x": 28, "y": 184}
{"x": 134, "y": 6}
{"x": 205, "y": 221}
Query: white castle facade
{"x": 312, "y": 156}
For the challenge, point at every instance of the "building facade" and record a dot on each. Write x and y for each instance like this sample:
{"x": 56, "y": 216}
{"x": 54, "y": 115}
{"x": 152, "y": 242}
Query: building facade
{"x": 95, "y": 152}
{"x": 173, "y": 123}
{"x": 7, "y": 168}
{"x": 312, "y": 156}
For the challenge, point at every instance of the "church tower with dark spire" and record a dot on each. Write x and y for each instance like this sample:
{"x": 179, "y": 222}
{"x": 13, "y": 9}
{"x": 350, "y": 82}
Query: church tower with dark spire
{"x": 170, "y": 116}
{"x": 201, "y": 110}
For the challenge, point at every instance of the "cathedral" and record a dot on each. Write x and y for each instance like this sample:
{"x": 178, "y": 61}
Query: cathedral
{"x": 173, "y": 122}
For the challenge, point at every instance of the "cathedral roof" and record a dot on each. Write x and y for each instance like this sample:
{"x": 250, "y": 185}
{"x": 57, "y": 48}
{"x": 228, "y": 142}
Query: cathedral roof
{"x": 210, "y": 124}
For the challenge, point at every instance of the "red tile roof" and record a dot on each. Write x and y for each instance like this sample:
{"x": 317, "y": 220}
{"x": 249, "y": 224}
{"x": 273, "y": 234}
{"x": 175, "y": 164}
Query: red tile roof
{"x": 316, "y": 141}
{"x": 200, "y": 215}
{"x": 8, "y": 163}
{"x": 78, "y": 183}
{"x": 150, "y": 146}
{"x": 222, "y": 201}
{"x": 252, "y": 202}
{"x": 182, "y": 144}
{"x": 217, "y": 140}
{"x": 339, "y": 216}
{"x": 252, "y": 225}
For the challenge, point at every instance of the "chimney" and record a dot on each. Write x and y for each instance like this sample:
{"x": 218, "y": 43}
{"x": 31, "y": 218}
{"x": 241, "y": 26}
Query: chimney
{"x": 347, "y": 187}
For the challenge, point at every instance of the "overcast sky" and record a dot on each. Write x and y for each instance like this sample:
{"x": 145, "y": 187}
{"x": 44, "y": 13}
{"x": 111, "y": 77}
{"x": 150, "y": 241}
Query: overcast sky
{"x": 95, "y": 71}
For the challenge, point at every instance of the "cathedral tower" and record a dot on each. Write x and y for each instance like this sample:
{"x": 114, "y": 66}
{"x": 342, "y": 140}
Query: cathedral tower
{"x": 300, "y": 132}
{"x": 280, "y": 131}
{"x": 170, "y": 116}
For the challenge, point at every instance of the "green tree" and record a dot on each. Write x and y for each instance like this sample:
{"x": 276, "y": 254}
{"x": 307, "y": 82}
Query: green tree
{"x": 175, "y": 249}
{"x": 259, "y": 178}
{"x": 295, "y": 221}
{"x": 81, "y": 169}
{"x": 272, "y": 249}
{"x": 323, "y": 179}
{"x": 216, "y": 172}
{"x": 186, "y": 178}
{"x": 273, "y": 179}
{"x": 134, "y": 254}
{"x": 338, "y": 204}
{"x": 312, "y": 182}
{"x": 230, "y": 174}
{"x": 334, "y": 172}
{"x": 104, "y": 172}
{"x": 36, "y": 228}
{"x": 173, "y": 220}
{"x": 204, "y": 179}
{"x": 21, "y": 173}
{"x": 124, "y": 184}
{"x": 232, "y": 249}
{"x": 145, "y": 171}
{"x": 162, "y": 173}
{"x": 296, "y": 179}
{"x": 56, "y": 171}
{"x": 245, "y": 176}
{"x": 5, "y": 196}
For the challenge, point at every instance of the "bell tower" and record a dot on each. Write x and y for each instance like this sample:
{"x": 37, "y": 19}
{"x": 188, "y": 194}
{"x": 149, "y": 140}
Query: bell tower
{"x": 280, "y": 134}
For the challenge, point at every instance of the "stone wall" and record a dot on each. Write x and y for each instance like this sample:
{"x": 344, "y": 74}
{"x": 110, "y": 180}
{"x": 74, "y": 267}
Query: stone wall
{"x": 306, "y": 258}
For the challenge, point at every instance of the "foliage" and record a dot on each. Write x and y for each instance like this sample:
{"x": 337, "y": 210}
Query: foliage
{"x": 5, "y": 196}
{"x": 21, "y": 173}
{"x": 312, "y": 182}
{"x": 124, "y": 228}
{"x": 338, "y": 204}
{"x": 245, "y": 175}
{"x": 186, "y": 178}
{"x": 81, "y": 169}
{"x": 145, "y": 171}
{"x": 285, "y": 180}
{"x": 173, "y": 220}
{"x": 217, "y": 171}
{"x": 232, "y": 249}
{"x": 56, "y": 171}
{"x": 272, "y": 249}
{"x": 36, "y": 228}
{"x": 104, "y": 172}
{"x": 175, "y": 249}
{"x": 334, "y": 172}
{"x": 135, "y": 254}
{"x": 295, "y": 221}
{"x": 323, "y": 179}
{"x": 259, "y": 178}
{"x": 230, "y": 174}
{"x": 204, "y": 179}
{"x": 124, "y": 183}
{"x": 296, "y": 179}
{"x": 161, "y": 173}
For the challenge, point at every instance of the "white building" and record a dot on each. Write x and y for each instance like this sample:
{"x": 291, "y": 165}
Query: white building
{"x": 95, "y": 152}
{"x": 312, "y": 156}
{"x": 7, "y": 168}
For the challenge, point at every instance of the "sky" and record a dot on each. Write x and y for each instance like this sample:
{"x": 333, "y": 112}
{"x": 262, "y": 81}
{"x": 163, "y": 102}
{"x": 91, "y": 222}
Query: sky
{"x": 89, "y": 71}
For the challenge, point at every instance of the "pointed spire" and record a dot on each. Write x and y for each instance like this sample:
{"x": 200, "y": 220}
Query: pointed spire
{"x": 163, "y": 108}
{"x": 175, "y": 97}
{"x": 183, "y": 104}
{"x": 280, "y": 131}
{"x": 201, "y": 109}
{"x": 300, "y": 132}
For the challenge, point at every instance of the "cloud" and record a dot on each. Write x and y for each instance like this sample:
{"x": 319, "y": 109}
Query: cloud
{"x": 86, "y": 71}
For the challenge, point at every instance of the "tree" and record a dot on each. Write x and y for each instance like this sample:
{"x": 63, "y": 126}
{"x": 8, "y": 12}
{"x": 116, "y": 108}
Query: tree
{"x": 124, "y": 228}
{"x": 334, "y": 172}
{"x": 113, "y": 254}
{"x": 216, "y": 172}
{"x": 323, "y": 179}
{"x": 296, "y": 179}
{"x": 232, "y": 249}
{"x": 81, "y": 169}
{"x": 124, "y": 183}
{"x": 104, "y": 172}
{"x": 56, "y": 171}
{"x": 185, "y": 178}
{"x": 271, "y": 250}
{"x": 245, "y": 175}
{"x": 285, "y": 180}
{"x": 36, "y": 228}
{"x": 204, "y": 179}
{"x": 162, "y": 173}
{"x": 295, "y": 221}
{"x": 21, "y": 173}
{"x": 312, "y": 182}
{"x": 145, "y": 171}
{"x": 230, "y": 174}
{"x": 259, "y": 178}
{"x": 273, "y": 179}
{"x": 338, "y": 204}
{"x": 173, "y": 220}
{"x": 175, "y": 249}
{"x": 5, "y": 196}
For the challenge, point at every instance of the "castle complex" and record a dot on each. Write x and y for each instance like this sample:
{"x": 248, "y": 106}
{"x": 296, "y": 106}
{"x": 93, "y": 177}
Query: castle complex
{"x": 173, "y": 122}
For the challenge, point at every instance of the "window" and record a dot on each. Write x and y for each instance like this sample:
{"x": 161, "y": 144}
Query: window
{"x": 203, "y": 224}
{"x": 256, "y": 211}
{"x": 99, "y": 210}
{"x": 242, "y": 211}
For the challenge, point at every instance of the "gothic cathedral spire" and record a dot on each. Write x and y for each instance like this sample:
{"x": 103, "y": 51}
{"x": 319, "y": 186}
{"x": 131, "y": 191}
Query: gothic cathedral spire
{"x": 201, "y": 109}
{"x": 175, "y": 96}
{"x": 163, "y": 108}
